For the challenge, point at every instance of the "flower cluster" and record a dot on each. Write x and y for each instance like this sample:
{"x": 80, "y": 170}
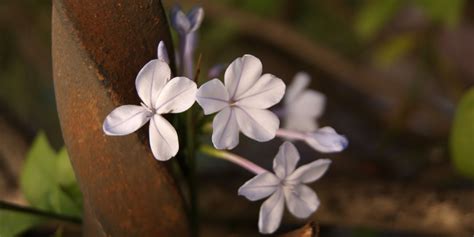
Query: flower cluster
{"x": 243, "y": 103}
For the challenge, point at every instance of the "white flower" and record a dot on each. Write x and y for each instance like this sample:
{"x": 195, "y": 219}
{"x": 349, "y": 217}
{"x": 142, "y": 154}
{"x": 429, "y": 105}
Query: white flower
{"x": 287, "y": 184}
{"x": 242, "y": 103}
{"x": 302, "y": 107}
{"x": 159, "y": 95}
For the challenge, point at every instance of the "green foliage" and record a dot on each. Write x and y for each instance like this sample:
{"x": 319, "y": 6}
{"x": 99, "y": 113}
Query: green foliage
{"x": 442, "y": 11}
{"x": 13, "y": 223}
{"x": 48, "y": 183}
{"x": 394, "y": 48}
{"x": 462, "y": 136}
{"x": 374, "y": 15}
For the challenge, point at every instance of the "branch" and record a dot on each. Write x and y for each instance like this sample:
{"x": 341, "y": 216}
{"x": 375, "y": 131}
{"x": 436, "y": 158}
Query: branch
{"x": 37, "y": 212}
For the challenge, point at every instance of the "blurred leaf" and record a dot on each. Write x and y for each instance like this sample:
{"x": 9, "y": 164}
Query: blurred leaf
{"x": 38, "y": 177}
{"x": 462, "y": 136}
{"x": 373, "y": 15}
{"x": 395, "y": 48}
{"x": 48, "y": 183}
{"x": 14, "y": 223}
{"x": 446, "y": 12}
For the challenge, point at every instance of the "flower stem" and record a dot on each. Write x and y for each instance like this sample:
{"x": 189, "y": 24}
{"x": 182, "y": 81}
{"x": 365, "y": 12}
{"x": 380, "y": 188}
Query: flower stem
{"x": 192, "y": 177}
{"x": 238, "y": 160}
{"x": 36, "y": 212}
{"x": 288, "y": 134}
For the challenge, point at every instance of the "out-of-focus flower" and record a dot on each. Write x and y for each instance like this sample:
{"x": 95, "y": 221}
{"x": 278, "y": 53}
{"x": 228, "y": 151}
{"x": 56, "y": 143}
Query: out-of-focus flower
{"x": 159, "y": 95}
{"x": 286, "y": 185}
{"x": 302, "y": 106}
{"x": 186, "y": 26}
{"x": 324, "y": 140}
{"x": 242, "y": 103}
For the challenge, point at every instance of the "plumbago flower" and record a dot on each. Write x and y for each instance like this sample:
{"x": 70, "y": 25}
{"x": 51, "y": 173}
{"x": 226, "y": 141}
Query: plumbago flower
{"x": 286, "y": 185}
{"x": 159, "y": 96}
{"x": 187, "y": 25}
{"x": 242, "y": 103}
{"x": 302, "y": 106}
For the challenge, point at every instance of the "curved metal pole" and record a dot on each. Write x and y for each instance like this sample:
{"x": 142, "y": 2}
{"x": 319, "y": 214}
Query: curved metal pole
{"x": 98, "y": 48}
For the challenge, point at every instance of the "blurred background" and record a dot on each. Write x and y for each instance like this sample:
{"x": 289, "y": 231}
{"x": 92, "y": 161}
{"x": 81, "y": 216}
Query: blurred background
{"x": 397, "y": 75}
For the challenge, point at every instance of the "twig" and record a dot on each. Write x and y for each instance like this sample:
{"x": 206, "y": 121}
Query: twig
{"x": 36, "y": 212}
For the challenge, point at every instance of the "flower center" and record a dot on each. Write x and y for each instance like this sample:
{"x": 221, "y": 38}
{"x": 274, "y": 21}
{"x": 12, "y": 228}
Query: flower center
{"x": 151, "y": 110}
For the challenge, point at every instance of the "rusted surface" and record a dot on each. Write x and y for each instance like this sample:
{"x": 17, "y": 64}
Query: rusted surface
{"x": 98, "y": 48}
{"x": 308, "y": 230}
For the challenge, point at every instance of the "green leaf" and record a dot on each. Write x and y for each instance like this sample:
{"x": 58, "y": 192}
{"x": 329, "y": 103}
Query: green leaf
{"x": 62, "y": 203}
{"x": 14, "y": 223}
{"x": 462, "y": 136}
{"x": 374, "y": 15}
{"x": 65, "y": 173}
{"x": 39, "y": 172}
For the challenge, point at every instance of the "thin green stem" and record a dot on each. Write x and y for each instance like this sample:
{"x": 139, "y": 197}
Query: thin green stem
{"x": 35, "y": 212}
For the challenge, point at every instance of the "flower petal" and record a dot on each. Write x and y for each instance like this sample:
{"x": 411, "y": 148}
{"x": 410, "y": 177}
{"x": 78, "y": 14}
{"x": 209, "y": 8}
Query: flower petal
{"x": 260, "y": 186}
{"x": 300, "y": 123}
{"x": 242, "y": 74}
{"x": 125, "y": 120}
{"x": 162, "y": 53}
{"x": 326, "y": 140}
{"x": 267, "y": 91}
{"x": 212, "y": 96}
{"x": 310, "y": 103}
{"x": 163, "y": 138}
{"x": 310, "y": 172}
{"x": 258, "y": 124}
{"x": 151, "y": 79}
{"x": 180, "y": 21}
{"x": 225, "y": 134}
{"x": 286, "y": 159}
{"x": 300, "y": 82}
{"x": 177, "y": 96}
{"x": 271, "y": 213}
{"x": 301, "y": 200}
{"x": 195, "y": 17}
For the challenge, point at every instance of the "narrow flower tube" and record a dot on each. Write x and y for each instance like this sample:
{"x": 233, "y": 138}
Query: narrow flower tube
{"x": 238, "y": 160}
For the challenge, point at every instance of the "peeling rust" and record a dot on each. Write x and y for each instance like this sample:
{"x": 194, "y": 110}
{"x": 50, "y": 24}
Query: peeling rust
{"x": 98, "y": 48}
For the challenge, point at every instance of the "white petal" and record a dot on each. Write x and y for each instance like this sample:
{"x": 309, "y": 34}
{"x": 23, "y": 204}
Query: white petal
{"x": 310, "y": 172}
{"x": 297, "y": 86}
{"x": 300, "y": 123}
{"x": 271, "y": 213}
{"x": 267, "y": 91}
{"x": 260, "y": 186}
{"x": 151, "y": 79}
{"x": 177, "y": 96}
{"x": 310, "y": 103}
{"x": 162, "y": 53}
{"x": 258, "y": 124}
{"x": 286, "y": 159}
{"x": 195, "y": 17}
{"x": 301, "y": 200}
{"x": 225, "y": 134}
{"x": 242, "y": 74}
{"x": 180, "y": 21}
{"x": 326, "y": 140}
{"x": 125, "y": 120}
{"x": 163, "y": 138}
{"x": 212, "y": 96}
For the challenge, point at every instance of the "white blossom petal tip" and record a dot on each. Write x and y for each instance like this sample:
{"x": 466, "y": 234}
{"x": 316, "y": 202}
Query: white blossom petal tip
{"x": 162, "y": 53}
{"x": 327, "y": 140}
{"x": 125, "y": 120}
